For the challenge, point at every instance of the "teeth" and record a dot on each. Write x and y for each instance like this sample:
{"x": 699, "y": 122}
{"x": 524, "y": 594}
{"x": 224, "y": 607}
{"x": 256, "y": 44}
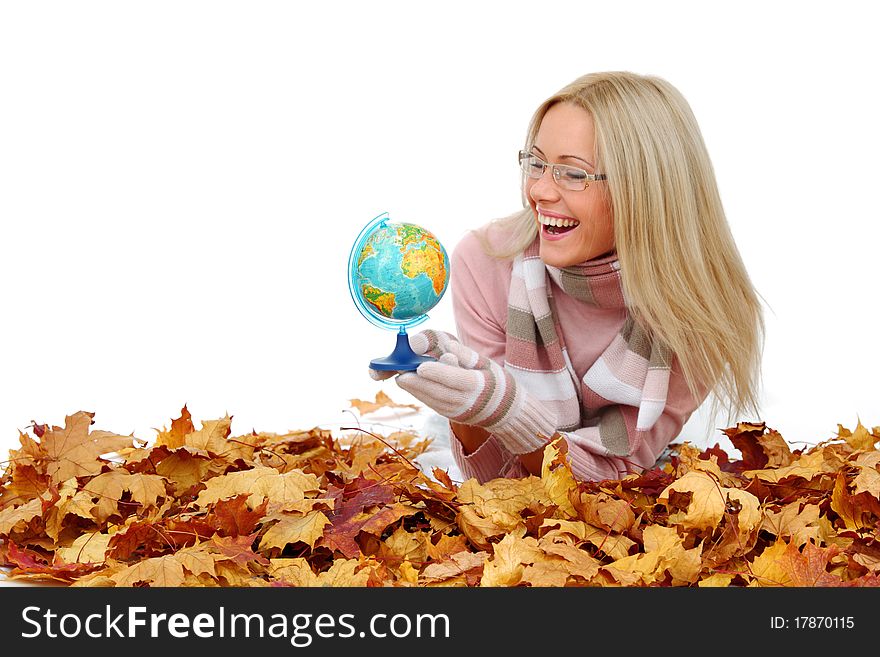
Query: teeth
{"x": 553, "y": 221}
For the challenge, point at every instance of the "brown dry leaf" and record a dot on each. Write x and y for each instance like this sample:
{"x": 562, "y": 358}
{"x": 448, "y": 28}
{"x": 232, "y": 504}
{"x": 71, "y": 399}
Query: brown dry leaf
{"x": 307, "y": 508}
{"x": 506, "y": 565}
{"x": 108, "y": 488}
{"x": 861, "y": 438}
{"x": 73, "y": 451}
{"x": 557, "y": 478}
{"x": 709, "y": 502}
{"x": 382, "y": 401}
{"x": 456, "y": 567}
{"x": 793, "y": 522}
{"x": 307, "y": 529}
{"x": 260, "y": 483}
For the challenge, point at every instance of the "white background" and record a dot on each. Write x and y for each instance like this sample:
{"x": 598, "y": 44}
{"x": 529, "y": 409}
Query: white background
{"x": 181, "y": 182}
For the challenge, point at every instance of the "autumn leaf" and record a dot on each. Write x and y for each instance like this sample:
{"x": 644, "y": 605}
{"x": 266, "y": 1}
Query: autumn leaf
{"x": 382, "y": 401}
{"x": 307, "y": 528}
{"x": 861, "y": 438}
{"x": 73, "y": 451}
{"x": 708, "y": 502}
{"x": 203, "y": 507}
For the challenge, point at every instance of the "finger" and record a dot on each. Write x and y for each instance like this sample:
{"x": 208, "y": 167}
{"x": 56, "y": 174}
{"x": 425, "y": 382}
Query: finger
{"x": 440, "y": 397}
{"x": 431, "y": 343}
{"x": 467, "y": 357}
{"x": 451, "y": 376}
{"x": 420, "y": 343}
{"x": 449, "y": 359}
{"x": 381, "y": 375}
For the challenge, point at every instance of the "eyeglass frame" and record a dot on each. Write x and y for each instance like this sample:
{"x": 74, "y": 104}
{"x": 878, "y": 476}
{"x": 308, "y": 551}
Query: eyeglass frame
{"x": 556, "y": 171}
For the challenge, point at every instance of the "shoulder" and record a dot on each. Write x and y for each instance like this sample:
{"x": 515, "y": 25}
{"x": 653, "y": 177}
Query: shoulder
{"x": 471, "y": 252}
{"x": 480, "y": 282}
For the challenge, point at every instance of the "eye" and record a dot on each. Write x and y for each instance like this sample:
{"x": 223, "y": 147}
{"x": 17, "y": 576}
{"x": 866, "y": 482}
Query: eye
{"x": 574, "y": 175}
{"x": 533, "y": 164}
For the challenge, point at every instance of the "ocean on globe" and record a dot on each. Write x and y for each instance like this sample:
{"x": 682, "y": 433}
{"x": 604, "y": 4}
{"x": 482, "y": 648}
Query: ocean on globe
{"x": 402, "y": 271}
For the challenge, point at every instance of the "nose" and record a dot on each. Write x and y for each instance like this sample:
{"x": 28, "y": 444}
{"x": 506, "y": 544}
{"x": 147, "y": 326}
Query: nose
{"x": 543, "y": 188}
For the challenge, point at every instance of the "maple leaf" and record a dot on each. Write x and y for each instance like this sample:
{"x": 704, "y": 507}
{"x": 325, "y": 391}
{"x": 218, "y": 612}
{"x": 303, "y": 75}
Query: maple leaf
{"x": 506, "y": 565}
{"x": 576, "y": 562}
{"x": 709, "y": 502}
{"x": 73, "y": 451}
{"x": 382, "y": 401}
{"x": 759, "y": 449}
{"x": 861, "y": 438}
{"x": 204, "y": 509}
{"x": 808, "y": 466}
{"x": 166, "y": 570}
{"x": 12, "y": 517}
{"x": 108, "y": 488}
{"x": 180, "y": 429}
{"x": 232, "y": 517}
{"x": 868, "y": 478}
{"x": 292, "y": 529}
{"x": 783, "y": 564}
{"x": 796, "y": 521}
{"x": 260, "y": 482}
{"x": 557, "y": 477}
{"x": 91, "y": 547}
{"x": 463, "y": 566}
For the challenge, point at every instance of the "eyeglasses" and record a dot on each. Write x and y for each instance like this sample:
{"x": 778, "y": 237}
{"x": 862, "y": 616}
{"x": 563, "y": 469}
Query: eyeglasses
{"x": 571, "y": 178}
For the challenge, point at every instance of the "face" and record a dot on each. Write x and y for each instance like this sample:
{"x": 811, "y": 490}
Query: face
{"x": 566, "y": 136}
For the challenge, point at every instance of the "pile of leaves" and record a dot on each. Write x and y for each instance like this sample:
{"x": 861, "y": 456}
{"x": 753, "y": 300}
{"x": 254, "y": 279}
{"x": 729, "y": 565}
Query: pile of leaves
{"x": 199, "y": 507}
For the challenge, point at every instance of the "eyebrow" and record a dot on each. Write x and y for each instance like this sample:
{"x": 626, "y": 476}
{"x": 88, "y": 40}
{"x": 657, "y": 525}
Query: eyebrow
{"x": 562, "y": 157}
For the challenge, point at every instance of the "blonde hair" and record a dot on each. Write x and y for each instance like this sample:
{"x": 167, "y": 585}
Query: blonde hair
{"x": 682, "y": 274}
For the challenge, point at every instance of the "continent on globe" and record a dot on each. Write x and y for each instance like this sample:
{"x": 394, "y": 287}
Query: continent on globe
{"x": 402, "y": 271}
{"x": 381, "y": 301}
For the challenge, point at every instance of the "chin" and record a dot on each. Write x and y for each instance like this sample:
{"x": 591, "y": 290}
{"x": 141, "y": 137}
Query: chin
{"x": 559, "y": 258}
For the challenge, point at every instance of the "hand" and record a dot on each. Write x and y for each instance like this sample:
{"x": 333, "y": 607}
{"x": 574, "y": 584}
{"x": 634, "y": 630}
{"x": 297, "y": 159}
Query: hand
{"x": 471, "y": 389}
{"x": 425, "y": 343}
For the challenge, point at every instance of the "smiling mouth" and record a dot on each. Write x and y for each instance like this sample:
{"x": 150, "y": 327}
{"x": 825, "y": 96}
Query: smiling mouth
{"x": 557, "y": 226}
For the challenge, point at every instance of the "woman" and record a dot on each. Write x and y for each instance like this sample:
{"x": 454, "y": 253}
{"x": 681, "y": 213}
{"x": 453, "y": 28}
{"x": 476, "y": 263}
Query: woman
{"x": 609, "y": 307}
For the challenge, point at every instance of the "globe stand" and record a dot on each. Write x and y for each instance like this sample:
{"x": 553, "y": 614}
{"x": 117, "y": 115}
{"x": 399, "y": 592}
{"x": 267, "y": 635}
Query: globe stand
{"x": 402, "y": 359}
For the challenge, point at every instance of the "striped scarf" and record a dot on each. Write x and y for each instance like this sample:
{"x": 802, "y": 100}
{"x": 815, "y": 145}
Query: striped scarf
{"x": 622, "y": 394}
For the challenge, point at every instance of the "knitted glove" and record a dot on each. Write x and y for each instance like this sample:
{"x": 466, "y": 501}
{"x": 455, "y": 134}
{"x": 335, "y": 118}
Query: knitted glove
{"x": 425, "y": 343}
{"x": 471, "y": 389}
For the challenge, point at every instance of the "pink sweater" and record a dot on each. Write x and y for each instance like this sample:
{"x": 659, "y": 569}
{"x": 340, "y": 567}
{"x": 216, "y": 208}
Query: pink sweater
{"x": 479, "y": 286}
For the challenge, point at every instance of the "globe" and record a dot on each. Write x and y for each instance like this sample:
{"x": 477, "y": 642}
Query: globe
{"x": 397, "y": 272}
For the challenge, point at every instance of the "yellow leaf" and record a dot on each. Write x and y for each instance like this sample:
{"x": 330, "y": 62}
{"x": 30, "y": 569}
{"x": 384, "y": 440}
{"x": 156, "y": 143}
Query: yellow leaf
{"x": 405, "y": 546}
{"x": 718, "y": 580}
{"x": 13, "y": 518}
{"x": 708, "y": 503}
{"x": 73, "y": 451}
{"x": 794, "y": 523}
{"x": 408, "y": 573}
{"x": 559, "y": 481}
{"x": 344, "y": 572}
{"x": 307, "y": 529}
{"x": 108, "y": 488}
{"x": 505, "y": 567}
{"x": 868, "y": 478}
{"x": 456, "y": 565}
{"x": 88, "y": 548}
{"x": 296, "y": 571}
{"x": 808, "y": 466}
{"x": 382, "y": 401}
{"x": 162, "y": 571}
{"x": 861, "y": 438}
{"x": 260, "y": 482}
{"x": 768, "y": 568}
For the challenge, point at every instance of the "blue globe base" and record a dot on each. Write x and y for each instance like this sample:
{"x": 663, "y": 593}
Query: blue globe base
{"x": 402, "y": 359}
